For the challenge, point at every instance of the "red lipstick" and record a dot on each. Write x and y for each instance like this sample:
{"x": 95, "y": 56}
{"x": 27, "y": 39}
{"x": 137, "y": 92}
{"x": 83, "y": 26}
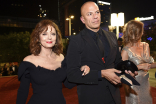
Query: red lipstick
{"x": 49, "y": 42}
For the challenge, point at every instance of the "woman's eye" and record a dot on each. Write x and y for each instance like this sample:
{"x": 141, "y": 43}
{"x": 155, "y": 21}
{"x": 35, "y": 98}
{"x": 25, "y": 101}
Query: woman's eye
{"x": 44, "y": 34}
{"x": 53, "y": 34}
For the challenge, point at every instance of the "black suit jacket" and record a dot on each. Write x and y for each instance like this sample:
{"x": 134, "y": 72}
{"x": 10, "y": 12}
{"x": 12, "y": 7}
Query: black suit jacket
{"x": 82, "y": 50}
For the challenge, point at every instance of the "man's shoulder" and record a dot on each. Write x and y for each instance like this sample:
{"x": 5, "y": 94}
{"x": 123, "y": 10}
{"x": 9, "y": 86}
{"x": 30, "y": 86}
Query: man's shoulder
{"x": 110, "y": 35}
{"x": 77, "y": 36}
{"x": 108, "y": 32}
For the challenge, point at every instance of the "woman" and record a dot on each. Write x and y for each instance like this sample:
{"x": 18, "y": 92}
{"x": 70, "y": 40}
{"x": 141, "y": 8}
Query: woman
{"x": 45, "y": 67}
{"x": 139, "y": 53}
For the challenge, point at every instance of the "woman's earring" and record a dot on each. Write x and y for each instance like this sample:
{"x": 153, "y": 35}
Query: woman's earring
{"x": 39, "y": 42}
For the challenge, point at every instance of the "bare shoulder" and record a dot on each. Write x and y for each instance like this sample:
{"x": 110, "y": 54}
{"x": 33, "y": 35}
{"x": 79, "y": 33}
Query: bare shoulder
{"x": 61, "y": 57}
{"x": 29, "y": 58}
{"x": 145, "y": 43}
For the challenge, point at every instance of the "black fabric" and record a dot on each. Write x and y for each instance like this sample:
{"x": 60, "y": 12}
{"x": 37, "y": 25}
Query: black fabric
{"x": 46, "y": 84}
{"x": 126, "y": 65}
{"x": 103, "y": 39}
{"x": 5, "y": 72}
{"x": 83, "y": 50}
{"x": 100, "y": 44}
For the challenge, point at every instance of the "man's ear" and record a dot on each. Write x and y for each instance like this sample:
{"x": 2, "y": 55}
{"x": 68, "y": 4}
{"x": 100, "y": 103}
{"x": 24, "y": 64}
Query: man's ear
{"x": 82, "y": 19}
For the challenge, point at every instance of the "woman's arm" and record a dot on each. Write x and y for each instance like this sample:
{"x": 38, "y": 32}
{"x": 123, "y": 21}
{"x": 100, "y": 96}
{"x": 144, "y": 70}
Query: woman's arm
{"x": 85, "y": 70}
{"x": 124, "y": 55}
{"x": 24, "y": 78}
{"x": 144, "y": 66}
{"x": 153, "y": 65}
{"x": 23, "y": 90}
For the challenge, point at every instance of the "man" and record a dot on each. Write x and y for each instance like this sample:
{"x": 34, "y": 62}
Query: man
{"x": 100, "y": 85}
{"x": 13, "y": 69}
{"x": 120, "y": 44}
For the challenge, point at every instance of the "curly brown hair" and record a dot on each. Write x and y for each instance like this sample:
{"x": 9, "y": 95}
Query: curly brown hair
{"x": 132, "y": 32}
{"x": 42, "y": 26}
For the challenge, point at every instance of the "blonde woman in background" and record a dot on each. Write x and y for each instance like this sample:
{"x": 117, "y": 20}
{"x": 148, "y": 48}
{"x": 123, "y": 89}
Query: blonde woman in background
{"x": 139, "y": 53}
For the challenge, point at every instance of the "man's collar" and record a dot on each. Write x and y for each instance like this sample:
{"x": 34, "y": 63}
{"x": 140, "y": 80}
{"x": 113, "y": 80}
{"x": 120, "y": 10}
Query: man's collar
{"x": 93, "y": 34}
{"x": 99, "y": 31}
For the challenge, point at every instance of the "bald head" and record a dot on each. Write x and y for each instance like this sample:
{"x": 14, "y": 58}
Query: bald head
{"x": 90, "y": 16}
{"x": 86, "y": 5}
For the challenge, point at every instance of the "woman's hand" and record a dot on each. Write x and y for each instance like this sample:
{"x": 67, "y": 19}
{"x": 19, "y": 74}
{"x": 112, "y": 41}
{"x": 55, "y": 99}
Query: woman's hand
{"x": 153, "y": 65}
{"x": 148, "y": 67}
{"x": 144, "y": 66}
{"x": 85, "y": 70}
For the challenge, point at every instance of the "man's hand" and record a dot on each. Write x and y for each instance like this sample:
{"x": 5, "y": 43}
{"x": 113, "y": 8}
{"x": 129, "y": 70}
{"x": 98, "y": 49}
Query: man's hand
{"x": 110, "y": 75}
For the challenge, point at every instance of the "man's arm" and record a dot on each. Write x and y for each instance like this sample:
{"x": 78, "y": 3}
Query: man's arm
{"x": 74, "y": 73}
{"x": 109, "y": 74}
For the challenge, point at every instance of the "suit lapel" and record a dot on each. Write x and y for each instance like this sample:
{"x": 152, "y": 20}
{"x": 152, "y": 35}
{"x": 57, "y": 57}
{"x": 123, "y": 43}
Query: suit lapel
{"x": 92, "y": 44}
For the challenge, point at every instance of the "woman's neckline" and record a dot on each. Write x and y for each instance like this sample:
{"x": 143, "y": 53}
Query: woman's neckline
{"x": 38, "y": 66}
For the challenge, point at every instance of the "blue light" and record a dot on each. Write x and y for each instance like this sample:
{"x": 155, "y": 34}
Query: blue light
{"x": 150, "y": 39}
{"x": 120, "y": 35}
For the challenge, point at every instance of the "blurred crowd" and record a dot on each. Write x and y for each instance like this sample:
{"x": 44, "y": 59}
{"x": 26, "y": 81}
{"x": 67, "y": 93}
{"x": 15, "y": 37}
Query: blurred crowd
{"x": 8, "y": 70}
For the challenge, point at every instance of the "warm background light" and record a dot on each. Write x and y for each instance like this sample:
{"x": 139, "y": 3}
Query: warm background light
{"x": 114, "y": 19}
{"x": 120, "y": 19}
{"x": 117, "y": 20}
{"x": 69, "y": 19}
{"x": 71, "y": 16}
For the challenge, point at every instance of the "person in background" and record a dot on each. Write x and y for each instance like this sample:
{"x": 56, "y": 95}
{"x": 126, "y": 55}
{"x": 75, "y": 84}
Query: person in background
{"x": 139, "y": 53}
{"x": 10, "y": 68}
{"x": 4, "y": 70}
{"x": 13, "y": 68}
{"x": 120, "y": 44}
{"x": 45, "y": 68}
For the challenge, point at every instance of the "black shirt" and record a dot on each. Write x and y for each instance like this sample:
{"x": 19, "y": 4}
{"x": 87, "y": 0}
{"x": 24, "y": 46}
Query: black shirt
{"x": 104, "y": 40}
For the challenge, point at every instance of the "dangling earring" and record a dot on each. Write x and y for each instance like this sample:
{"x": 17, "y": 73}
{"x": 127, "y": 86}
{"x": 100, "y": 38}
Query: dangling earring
{"x": 55, "y": 44}
{"x": 39, "y": 43}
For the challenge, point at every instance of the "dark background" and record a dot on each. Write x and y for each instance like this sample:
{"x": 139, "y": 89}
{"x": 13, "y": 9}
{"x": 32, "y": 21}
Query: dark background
{"x": 131, "y": 8}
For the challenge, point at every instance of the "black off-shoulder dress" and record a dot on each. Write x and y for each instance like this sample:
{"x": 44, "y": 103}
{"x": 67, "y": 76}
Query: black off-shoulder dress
{"x": 46, "y": 84}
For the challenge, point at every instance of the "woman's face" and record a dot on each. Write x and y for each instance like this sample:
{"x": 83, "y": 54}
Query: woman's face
{"x": 48, "y": 37}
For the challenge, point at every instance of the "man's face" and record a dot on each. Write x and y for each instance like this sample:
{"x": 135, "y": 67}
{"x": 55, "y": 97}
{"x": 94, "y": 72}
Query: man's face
{"x": 119, "y": 43}
{"x": 91, "y": 16}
